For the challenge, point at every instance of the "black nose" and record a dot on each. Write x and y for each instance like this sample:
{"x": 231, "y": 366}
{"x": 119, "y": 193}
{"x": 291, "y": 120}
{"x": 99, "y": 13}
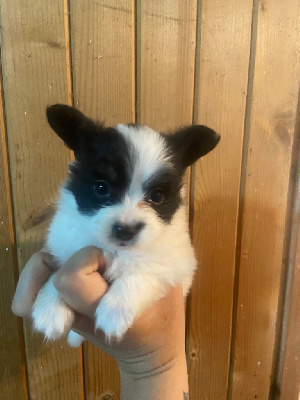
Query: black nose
{"x": 126, "y": 232}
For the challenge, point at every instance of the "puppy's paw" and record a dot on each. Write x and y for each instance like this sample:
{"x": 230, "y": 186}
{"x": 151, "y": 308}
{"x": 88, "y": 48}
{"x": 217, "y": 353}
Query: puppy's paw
{"x": 54, "y": 319}
{"x": 51, "y": 316}
{"x": 74, "y": 339}
{"x": 113, "y": 319}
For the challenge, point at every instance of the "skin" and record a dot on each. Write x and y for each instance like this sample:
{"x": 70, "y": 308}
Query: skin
{"x": 151, "y": 355}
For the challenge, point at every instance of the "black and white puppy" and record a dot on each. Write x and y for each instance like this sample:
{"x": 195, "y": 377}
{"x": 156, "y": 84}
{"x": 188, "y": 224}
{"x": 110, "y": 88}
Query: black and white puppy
{"x": 124, "y": 194}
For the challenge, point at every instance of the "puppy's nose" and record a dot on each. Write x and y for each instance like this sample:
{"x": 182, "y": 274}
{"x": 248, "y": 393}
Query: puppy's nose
{"x": 126, "y": 232}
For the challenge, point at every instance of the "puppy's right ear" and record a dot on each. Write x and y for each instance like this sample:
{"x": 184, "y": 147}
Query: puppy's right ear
{"x": 69, "y": 124}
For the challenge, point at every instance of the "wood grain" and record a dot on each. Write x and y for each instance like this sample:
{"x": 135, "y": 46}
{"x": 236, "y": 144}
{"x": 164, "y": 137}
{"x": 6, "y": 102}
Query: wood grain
{"x": 35, "y": 75}
{"x": 13, "y": 382}
{"x": 166, "y": 35}
{"x": 102, "y": 37}
{"x": 220, "y": 100}
{"x": 290, "y": 384}
{"x": 274, "y": 104}
{"x": 103, "y": 59}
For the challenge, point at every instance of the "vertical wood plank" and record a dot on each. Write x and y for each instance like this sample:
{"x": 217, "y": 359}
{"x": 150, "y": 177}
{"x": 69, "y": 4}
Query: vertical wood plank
{"x": 35, "y": 75}
{"x": 220, "y": 100}
{"x": 266, "y": 193}
{"x": 102, "y": 37}
{"x": 290, "y": 385}
{"x": 13, "y": 382}
{"x": 103, "y": 59}
{"x": 166, "y": 58}
{"x": 286, "y": 385}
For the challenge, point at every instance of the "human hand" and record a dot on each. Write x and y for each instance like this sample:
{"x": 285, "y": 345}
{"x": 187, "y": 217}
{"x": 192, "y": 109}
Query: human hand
{"x": 152, "y": 349}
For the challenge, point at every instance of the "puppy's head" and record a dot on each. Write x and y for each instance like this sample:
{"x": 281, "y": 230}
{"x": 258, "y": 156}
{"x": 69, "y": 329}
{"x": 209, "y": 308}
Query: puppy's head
{"x": 127, "y": 180}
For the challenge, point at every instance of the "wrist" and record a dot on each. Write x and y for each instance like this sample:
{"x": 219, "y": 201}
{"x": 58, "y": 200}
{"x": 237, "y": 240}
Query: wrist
{"x": 161, "y": 374}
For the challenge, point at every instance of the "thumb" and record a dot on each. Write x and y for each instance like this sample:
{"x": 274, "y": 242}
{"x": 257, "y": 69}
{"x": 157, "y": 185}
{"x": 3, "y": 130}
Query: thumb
{"x": 79, "y": 280}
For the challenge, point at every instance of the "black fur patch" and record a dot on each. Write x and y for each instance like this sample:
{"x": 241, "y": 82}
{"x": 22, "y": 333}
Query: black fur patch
{"x": 170, "y": 181}
{"x": 103, "y": 158}
{"x": 191, "y": 143}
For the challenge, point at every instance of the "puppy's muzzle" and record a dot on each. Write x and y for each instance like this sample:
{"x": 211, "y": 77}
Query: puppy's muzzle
{"x": 125, "y": 233}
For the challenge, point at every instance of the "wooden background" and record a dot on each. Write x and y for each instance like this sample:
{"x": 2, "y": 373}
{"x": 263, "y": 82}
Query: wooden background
{"x": 233, "y": 65}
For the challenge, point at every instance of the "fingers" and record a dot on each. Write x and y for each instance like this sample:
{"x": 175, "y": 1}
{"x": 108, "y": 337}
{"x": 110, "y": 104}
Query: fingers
{"x": 79, "y": 281}
{"x": 35, "y": 273}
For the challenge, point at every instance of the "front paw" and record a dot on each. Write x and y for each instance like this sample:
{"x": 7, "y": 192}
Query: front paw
{"x": 113, "y": 319}
{"x": 51, "y": 315}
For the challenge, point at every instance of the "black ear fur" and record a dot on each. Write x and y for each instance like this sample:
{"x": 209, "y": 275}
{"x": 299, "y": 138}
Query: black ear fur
{"x": 193, "y": 142}
{"x": 69, "y": 123}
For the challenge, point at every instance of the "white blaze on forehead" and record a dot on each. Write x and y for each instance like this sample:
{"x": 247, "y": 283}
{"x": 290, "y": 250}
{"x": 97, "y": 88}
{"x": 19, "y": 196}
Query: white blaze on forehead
{"x": 149, "y": 153}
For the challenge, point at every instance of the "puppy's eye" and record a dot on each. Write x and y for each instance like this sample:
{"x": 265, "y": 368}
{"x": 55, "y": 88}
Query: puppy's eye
{"x": 102, "y": 189}
{"x": 156, "y": 196}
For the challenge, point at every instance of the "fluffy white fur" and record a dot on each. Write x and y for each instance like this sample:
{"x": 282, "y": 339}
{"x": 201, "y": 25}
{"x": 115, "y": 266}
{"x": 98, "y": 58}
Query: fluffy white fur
{"x": 140, "y": 273}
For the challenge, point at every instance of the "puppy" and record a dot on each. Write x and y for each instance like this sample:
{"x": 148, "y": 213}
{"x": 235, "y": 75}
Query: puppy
{"x": 124, "y": 194}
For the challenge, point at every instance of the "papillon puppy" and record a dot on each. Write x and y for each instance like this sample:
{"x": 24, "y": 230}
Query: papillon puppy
{"x": 125, "y": 195}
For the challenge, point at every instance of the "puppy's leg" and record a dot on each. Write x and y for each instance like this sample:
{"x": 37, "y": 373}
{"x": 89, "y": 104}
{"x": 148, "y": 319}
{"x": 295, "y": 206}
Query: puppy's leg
{"x": 126, "y": 299}
{"x": 51, "y": 316}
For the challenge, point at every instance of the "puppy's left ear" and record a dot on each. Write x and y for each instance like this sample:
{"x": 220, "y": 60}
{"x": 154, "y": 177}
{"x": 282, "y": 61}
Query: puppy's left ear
{"x": 69, "y": 124}
{"x": 193, "y": 142}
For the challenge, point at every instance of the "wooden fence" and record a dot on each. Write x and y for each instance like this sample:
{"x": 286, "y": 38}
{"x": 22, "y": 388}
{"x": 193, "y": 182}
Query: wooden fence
{"x": 231, "y": 64}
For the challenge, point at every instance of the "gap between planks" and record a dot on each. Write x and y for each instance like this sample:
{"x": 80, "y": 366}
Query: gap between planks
{"x": 192, "y": 173}
{"x": 246, "y": 137}
{"x": 71, "y": 102}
